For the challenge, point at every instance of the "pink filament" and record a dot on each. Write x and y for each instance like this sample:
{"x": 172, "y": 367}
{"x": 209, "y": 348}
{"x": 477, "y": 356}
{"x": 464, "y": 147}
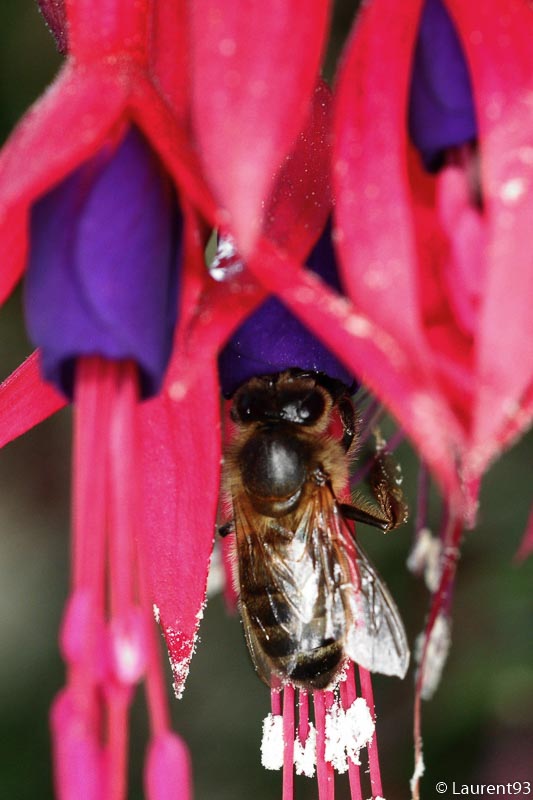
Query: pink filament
{"x": 117, "y": 744}
{"x": 441, "y": 602}
{"x": 122, "y": 488}
{"x": 348, "y": 695}
{"x": 156, "y": 694}
{"x": 325, "y": 777}
{"x": 91, "y": 424}
{"x": 373, "y": 758}
{"x": 303, "y": 716}
{"x": 275, "y": 702}
{"x": 288, "y": 742}
{"x": 108, "y": 637}
{"x": 123, "y": 514}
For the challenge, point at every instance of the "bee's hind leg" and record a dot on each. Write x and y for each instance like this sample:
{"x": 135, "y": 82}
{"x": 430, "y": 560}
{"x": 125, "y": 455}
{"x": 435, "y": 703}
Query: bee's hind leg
{"x": 385, "y": 482}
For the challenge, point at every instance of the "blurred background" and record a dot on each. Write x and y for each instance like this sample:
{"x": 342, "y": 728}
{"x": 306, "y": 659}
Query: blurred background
{"x": 477, "y": 729}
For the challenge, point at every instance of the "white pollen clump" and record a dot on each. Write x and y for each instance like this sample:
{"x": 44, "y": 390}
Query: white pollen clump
{"x": 426, "y": 558}
{"x": 347, "y": 732}
{"x": 305, "y": 754}
{"x": 436, "y": 654}
{"x": 419, "y": 770}
{"x": 272, "y": 742}
{"x": 157, "y": 613}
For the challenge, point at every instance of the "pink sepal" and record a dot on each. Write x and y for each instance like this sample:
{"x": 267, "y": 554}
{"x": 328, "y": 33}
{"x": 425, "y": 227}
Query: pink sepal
{"x": 54, "y": 13}
{"x": 25, "y": 400}
{"x": 78, "y": 758}
{"x": 167, "y": 774}
{"x": 246, "y": 111}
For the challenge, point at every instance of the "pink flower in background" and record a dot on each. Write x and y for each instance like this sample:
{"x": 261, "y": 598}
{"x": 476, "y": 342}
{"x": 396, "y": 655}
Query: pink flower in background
{"x": 435, "y": 259}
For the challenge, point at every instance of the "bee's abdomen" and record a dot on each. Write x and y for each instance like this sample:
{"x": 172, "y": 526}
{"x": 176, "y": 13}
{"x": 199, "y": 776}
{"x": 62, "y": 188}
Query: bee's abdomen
{"x": 299, "y": 653}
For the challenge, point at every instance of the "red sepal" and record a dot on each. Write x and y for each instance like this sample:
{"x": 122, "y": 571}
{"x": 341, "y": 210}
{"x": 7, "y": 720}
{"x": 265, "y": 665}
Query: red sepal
{"x": 300, "y": 201}
{"x": 497, "y": 43}
{"x": 181, "y": 451}
{"x": 101, "y": 28}
{"x": 26, "y": 400}
{"x": 253, "y": 75}
{"x": 169, "y": 55}
{"x": 56, "y": 18}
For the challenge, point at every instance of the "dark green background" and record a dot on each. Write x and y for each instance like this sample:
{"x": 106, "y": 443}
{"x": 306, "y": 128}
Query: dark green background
{"x": 479, "y": 726}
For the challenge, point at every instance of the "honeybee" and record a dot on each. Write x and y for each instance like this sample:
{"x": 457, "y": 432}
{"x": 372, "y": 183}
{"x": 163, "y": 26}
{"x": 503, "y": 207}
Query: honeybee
{"x": 309, "y": 597}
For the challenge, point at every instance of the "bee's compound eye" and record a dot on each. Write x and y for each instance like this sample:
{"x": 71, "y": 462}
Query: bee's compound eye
{"x": 250, "y": 406}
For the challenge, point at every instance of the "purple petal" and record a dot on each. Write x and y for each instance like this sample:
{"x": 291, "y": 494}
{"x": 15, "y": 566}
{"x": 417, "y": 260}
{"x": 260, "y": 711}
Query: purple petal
{"x": 104, "y": 266}
{"x": 272, "y": 339}
{"x": 441, "y": 107}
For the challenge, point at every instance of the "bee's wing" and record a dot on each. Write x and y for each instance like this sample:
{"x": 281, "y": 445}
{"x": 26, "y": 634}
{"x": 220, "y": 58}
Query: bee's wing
{"x": 376, "y": 638}
{"x": 292, "y": 586}
{"x": 253, "y": 570}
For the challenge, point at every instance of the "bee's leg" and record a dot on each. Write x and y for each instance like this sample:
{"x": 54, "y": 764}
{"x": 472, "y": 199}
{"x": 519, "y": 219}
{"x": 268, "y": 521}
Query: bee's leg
{"x": 227, "y": 528}
{"x": 348, "y": 419}
{"x": 385, "y": 480}
{"x": 385, "y": 483}
{"x": 360, "y": 515}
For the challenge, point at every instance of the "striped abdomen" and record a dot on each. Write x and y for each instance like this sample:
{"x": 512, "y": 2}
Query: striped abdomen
{"x": 293, "y": 615}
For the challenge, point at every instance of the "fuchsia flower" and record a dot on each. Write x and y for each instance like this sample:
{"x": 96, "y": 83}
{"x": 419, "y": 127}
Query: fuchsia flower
{"x": 418, "y": 255}
{"x": 110, "y": 133}
{"x": 427, "y": 257}
{"x": 196, "y": 105}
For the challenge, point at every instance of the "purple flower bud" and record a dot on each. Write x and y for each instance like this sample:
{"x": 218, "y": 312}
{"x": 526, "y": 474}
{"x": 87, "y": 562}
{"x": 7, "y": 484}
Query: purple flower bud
{"x": 441, "y": 107}
{"x": 104, "y": 265}
{"x": 272, "y": 339}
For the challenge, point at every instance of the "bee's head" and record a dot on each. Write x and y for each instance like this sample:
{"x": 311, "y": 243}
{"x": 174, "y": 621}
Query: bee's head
{"x": 281, "y": 398}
